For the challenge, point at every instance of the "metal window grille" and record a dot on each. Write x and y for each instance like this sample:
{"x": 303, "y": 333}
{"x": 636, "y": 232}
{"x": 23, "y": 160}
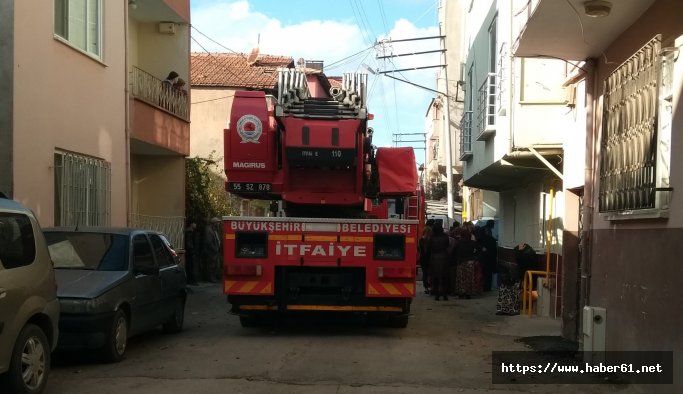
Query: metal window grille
{"x": 82, "y": 190}
{"x": 466, "y": 134}
{"x": 631, "y": 169}
{"x": 501, "y": 78}
{"x": 487, "y": 103}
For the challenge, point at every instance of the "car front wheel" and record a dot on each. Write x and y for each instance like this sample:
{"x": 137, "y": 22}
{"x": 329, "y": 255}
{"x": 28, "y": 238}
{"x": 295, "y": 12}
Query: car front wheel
{"x": 30, "y": 362}
{"x": 115, "y": 348}
{"x": 175, "y": 323}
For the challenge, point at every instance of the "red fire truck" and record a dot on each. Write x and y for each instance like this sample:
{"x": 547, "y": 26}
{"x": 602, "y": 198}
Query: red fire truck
{"x": 346, "y": 235}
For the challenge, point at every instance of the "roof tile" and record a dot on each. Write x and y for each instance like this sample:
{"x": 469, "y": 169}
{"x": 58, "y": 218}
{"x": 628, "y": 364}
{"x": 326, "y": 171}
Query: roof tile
{"x": 232, "y": 70}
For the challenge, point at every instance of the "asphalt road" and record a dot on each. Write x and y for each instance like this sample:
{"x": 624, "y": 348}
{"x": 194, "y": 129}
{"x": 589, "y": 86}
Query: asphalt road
{"x": 444, "y": 350}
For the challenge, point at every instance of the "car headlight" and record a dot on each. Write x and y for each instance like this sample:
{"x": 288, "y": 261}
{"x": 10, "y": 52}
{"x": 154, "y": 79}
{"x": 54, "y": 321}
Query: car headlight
{"x": 79, "y": 305}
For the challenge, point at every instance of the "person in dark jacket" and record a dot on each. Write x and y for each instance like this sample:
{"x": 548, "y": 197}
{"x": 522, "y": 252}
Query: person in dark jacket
{"x": 191, "y": 251}
{"x": 439, "y": 247}
{"x": 424, "y": 257}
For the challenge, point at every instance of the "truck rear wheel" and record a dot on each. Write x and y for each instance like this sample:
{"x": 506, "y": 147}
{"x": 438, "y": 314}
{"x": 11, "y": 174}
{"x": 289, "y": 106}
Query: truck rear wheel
{"x": 248, "y": 321}
{"x": 400, "y": 321}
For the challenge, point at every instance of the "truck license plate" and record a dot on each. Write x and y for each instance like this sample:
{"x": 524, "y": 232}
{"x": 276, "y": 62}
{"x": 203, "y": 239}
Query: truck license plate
{"x": 250, "y": 187}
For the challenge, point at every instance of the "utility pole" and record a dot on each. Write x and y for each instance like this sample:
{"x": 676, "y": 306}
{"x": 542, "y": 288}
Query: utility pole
{"x": 447, "y": 126}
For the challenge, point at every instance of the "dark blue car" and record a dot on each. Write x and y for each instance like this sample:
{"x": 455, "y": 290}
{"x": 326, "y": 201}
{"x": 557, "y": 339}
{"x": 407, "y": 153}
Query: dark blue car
{"x": 114, "y": 283}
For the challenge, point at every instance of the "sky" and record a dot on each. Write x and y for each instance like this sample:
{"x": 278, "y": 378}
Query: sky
{"x": 343, "y": 34}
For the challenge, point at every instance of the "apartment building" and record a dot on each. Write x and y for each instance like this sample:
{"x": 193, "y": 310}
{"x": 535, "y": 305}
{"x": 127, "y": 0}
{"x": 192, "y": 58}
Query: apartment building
{"x": 517, "y": 142}
{"x": 632, "y": 222}
{"x": 158, "y": 35}
{"x": 87, "y": 134}
{"x": 449, "y": 84}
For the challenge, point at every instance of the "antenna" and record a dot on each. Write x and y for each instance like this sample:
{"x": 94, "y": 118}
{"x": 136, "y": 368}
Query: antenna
{"x": 253, "y": 56}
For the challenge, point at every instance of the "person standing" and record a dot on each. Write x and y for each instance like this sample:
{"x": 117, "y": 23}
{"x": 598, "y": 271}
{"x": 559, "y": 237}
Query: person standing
{"x": 439, "y": 247}
{"x": 423, "y": 252}
{"x": 211, "y": 247}
{"x": 466, "y": 257}
{"x": 191, "y": 249}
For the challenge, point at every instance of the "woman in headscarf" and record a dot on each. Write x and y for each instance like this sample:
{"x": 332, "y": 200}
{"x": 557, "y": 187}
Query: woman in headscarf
{"x": 438, "y": 247}
{"x": 423, "y": 251}
{"x": 467, "y": 276}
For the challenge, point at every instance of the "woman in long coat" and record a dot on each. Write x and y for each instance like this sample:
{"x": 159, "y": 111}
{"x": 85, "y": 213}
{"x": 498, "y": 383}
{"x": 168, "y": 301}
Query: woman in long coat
{"x": 468, "y": 276}
{"x": 422, "y": 249}
{"x": 438, "y": 248}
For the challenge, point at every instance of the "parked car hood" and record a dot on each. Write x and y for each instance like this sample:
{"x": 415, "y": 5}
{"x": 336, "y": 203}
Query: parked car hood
{"x": 86, "y": 283}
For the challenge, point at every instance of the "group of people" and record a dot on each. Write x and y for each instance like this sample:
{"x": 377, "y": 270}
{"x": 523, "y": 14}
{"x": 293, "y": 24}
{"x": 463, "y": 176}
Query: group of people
{"x": 203, "y": 251}
{"x": 460, "y": 262}
{"x": 173, "y": 81}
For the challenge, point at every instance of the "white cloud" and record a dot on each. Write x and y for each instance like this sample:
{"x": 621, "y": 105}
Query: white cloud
{"x": 398, "y": 107}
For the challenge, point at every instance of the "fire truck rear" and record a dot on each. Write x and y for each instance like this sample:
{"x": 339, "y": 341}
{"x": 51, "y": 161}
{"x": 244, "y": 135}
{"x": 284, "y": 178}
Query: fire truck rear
{"x": 347, "y": 239}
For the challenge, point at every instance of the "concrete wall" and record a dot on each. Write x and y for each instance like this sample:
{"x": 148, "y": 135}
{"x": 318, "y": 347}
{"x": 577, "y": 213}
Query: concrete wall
{"x": 210, "y": 115}
{"x": 6, "y": 99}
{"x": 67, "y": 100}
{"x": 479, "y": 20}
{"x": 158, "y": 54}
{"x": 635, "y": 265}
{"x": 150, "y": 176}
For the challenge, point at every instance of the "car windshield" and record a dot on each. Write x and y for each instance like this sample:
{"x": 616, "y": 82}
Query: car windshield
{"x": 90, "y": 251}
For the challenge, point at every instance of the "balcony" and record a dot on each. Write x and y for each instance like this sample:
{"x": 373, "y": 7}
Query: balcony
{"x": 562, "y": 29}
{"x": 153, "y": 91}
{"x": 466, "y": 136}
{"x": 486, "y": 115}
{"x": 159, "y": 116}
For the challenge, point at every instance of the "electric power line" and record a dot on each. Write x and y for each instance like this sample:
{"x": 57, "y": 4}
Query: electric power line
{"x": 239, "y": 79}
{"x": 215, "y": 42}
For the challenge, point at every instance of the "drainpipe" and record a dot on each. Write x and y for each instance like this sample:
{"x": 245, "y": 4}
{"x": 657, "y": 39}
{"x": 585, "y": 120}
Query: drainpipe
{"x": 447, "y": 128}
{"x": 589, "y": 183}
{"x": 127, "y": 113}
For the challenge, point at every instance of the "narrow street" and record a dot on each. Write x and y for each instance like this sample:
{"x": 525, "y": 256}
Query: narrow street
{"x": 446, "y": 348}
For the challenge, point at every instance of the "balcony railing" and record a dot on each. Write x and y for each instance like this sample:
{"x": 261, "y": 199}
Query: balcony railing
{"x": 152, "y": 90}
{"x": 487, "y": 107}
{"x": 466, "y": 136}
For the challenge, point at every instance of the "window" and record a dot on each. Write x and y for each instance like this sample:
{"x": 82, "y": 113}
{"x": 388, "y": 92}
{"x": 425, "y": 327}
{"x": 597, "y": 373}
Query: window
{"x": 636, "y": 135}
{"x": 82, "y": 190}
{"x": 17, "y": 244}
{"x": 466, "y": 121}
{"x": 493, "y": 39}
{"x": 389, "y": 247}
{"x": 163, "y": 255}
{"x": 80, "y": 23}
{"x": 251, "y": 245}
{"x": 143, "y": 260}
{"x": 486, "y": 115}
{"x": 88, "y": 251}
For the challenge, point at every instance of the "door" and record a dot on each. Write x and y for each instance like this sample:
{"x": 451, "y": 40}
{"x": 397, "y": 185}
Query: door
{"x": 146, "y": 285}
{"x": 20, "y": 278}
{"x": 172, "y": 275}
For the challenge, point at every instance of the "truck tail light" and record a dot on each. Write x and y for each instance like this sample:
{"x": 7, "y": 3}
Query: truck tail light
{"x": 395, "y": 272}
{"x": 244, "y": 270}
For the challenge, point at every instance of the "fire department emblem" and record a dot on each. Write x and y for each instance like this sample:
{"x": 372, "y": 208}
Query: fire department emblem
{"x": 249, "y": 128}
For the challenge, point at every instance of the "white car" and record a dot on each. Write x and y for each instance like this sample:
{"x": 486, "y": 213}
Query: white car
{"x": 29, "y": 310}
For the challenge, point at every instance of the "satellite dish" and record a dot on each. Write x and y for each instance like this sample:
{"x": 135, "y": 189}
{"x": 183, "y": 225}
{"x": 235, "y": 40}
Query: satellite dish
{"x": 253, "y": 56}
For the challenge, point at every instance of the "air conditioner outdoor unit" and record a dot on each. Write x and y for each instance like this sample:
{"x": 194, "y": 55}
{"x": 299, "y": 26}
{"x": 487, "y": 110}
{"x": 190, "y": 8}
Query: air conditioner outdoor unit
{"x": 167, "y": 28}
{"x": 594, "y": 333}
